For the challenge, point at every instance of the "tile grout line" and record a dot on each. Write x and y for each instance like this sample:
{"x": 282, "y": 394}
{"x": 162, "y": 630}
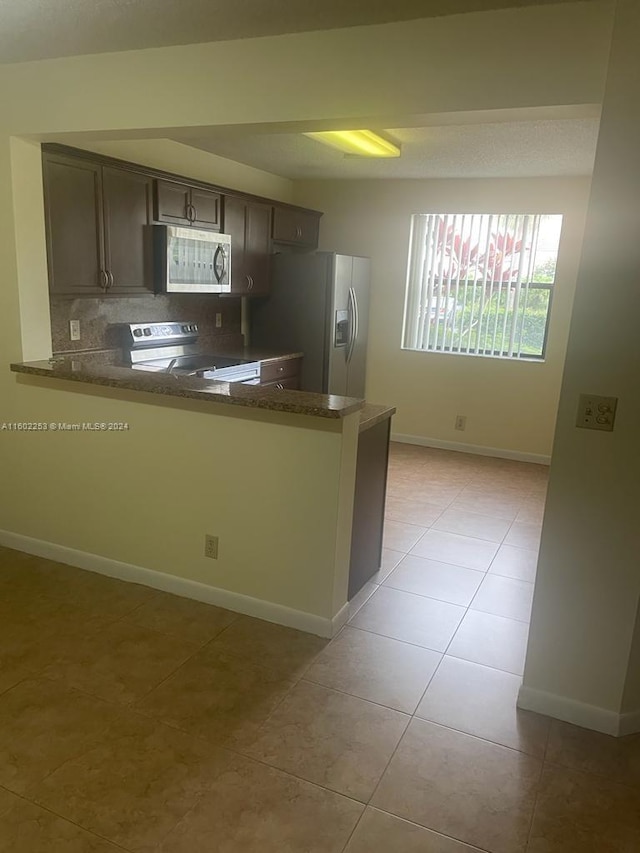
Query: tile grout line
{"x": 474, "y": 848}
{"x": 66, "y": 819}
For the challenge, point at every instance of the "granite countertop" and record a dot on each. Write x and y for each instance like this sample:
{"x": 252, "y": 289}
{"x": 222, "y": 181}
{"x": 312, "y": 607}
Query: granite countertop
{"x": 195, "y": 388}
{"x": 371, "y": 414}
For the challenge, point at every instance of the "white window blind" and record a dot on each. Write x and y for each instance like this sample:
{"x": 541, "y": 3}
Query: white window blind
{"x": 481, "y": 284}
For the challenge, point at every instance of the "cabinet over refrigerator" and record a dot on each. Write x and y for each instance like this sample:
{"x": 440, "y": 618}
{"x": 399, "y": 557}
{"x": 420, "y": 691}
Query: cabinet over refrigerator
{"x": 319, "y": 305}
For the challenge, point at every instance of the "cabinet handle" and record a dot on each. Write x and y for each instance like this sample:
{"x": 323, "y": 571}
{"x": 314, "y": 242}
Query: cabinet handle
{"x": 249, "y": 282}
{"x": 110, "y": 279}
{"x": 280, "y": 386}
{"x": 299, "y": 232}
{"x": 280, "y": 369}
{"x": 191, "y": 213}
{"x": 104, "y": 279}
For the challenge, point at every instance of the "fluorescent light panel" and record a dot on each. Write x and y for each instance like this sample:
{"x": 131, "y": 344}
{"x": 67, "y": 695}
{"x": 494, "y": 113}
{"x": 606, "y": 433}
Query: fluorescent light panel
{"x": 361, "y": 143}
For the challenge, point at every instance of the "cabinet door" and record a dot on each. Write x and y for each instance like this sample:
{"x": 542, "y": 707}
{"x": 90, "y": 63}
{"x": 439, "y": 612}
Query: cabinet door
{"x": 73, "y": 212}
{"x": 172, "y": 203}
{"x": 127, "y": 199}
{"x": 248, "y": 224}
{"x": 234, "y": 225}
{"x": 296, "y": 227}
{"x": 205, "y": 209}
{"x": 257, "y": 246}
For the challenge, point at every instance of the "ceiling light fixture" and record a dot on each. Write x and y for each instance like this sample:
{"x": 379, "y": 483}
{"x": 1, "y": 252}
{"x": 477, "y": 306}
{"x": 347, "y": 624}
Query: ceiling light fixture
{"x": 358, "y": 143}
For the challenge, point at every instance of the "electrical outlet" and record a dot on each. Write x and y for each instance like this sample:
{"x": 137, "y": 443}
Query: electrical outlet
{"x": 74, "y": 330}
{"x": 461, "y": 422}
{"x": 218, "y": 321}
{"x": 596, "y": 412}
{"x": 211, "y": 547}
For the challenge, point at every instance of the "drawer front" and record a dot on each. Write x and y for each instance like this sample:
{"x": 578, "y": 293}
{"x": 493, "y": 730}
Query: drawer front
{"x": 274, "y": 371}
{"x": 292, "y": 383}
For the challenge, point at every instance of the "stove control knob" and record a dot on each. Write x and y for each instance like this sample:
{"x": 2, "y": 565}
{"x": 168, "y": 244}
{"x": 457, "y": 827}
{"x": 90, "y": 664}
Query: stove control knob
{"x": 147, "y": 332}
{"x": 185, "y": 328}
{"x": 137, "y": 333}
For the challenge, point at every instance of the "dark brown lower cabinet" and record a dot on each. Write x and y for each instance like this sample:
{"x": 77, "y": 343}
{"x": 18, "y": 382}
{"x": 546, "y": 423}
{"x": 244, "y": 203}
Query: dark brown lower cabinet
{"x": 280, "y": 370}
{"x": 368, "y": 504}
{"x": 290, "y": 384}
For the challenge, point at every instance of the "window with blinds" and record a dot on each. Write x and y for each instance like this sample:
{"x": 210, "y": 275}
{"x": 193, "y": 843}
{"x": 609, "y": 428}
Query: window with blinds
{"x": 481, "y": 284}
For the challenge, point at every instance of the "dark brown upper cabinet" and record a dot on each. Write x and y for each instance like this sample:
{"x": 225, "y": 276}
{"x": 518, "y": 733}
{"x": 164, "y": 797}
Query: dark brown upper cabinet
{"x": 96, "y": 218}
{"x": 97, "y": 210}
{"x": 249, "y": 225}
{"x": 296, "y": 227}
{"x": 181, "y": 204}
{"x": 73, "y": 215}
{"x": 128, "y": 208}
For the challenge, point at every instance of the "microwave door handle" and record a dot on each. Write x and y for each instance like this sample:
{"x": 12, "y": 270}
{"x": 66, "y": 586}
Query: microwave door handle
{"x": 219, "y": 269}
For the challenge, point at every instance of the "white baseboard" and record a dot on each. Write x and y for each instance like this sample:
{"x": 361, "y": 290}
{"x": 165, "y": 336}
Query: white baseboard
{"x": 478, "y": 449}
{"x": 629, "y": 723}
{"x": 267, "y": 610}
{"x": 340, "y": 619}
{"x": 578, "y": 713}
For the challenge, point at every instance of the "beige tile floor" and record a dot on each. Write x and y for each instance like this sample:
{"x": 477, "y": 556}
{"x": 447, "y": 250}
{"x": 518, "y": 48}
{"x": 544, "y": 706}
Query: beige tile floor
{"x": 134, "y": 720}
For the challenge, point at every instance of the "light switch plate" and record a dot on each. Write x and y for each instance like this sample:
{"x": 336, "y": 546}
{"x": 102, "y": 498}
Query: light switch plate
{"x": 596, "y": 412}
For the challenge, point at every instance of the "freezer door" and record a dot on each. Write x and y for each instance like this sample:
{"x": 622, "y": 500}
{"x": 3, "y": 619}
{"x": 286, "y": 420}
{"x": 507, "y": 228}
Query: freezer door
{"x": 357, "y": 363}
{"x": 296, "y": 315}
{"x": 342, "y": 325}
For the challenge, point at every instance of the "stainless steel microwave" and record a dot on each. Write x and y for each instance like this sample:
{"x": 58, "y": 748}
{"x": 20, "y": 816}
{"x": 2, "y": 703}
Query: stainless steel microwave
{"x": 190, "y": 261}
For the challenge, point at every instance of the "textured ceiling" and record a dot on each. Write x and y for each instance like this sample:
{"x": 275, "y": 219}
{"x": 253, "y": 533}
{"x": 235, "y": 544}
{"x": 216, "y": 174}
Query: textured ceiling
{"x": 41, "y": 29}
{"x": 498, "y": 150}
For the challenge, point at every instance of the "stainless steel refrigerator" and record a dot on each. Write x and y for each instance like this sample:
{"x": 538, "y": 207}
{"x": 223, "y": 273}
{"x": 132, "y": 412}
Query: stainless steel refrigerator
{"x": 318, "y": 305}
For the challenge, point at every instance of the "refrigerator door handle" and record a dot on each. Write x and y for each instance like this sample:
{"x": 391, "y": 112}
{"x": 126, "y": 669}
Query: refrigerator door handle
{"x": 353, "y": 323}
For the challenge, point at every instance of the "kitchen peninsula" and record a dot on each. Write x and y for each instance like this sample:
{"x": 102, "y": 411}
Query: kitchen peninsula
{"x": 297, "y": 472}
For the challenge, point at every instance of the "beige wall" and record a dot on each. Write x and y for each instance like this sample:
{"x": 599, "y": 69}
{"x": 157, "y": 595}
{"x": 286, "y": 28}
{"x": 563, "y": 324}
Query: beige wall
{"x": 171, "y": 156}
{"x": 509, "y": 405}
{"x": 584, "y": 629}
{"x": 461, "y": 62}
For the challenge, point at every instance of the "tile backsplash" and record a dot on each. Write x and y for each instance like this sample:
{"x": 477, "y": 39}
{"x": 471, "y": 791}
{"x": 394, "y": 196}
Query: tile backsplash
{"x": 101, "y": 320}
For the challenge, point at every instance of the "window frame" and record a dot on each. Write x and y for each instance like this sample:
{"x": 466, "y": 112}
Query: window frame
{"x": 421, "y": 304}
